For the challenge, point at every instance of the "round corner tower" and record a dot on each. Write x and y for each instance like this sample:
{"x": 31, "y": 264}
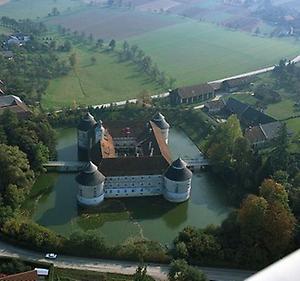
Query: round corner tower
{"x": 90, "y": 186}
{"x": 178, "y": 182}
{"x": 85, "y": 132}
{"x": 164, "y": 126}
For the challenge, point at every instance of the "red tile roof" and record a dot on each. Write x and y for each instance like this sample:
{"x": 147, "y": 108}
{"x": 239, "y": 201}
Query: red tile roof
{"x": 24, "y": 276}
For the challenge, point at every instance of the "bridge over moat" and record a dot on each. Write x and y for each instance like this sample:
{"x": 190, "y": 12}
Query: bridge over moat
{"x": 194, "y": 164}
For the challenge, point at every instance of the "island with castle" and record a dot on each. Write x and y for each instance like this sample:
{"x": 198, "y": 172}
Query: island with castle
{"x": 129, "y": 159}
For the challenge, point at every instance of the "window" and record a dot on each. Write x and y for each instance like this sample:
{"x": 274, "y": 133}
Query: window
{"x": 142, "y": 189}
{"x": 132, "y": 190}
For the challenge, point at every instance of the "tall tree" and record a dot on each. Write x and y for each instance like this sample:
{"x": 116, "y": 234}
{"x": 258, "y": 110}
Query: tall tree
{"x": 112, "y": 44}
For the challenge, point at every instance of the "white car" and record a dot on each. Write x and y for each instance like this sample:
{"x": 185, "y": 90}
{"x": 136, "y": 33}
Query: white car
{"x": 51, "y": 256}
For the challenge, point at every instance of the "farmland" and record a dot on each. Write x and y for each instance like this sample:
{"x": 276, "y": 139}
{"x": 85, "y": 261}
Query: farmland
{"x": 104, "y": 81}
{"x": 108, "y": 23}
{"x": 196, "y": 52}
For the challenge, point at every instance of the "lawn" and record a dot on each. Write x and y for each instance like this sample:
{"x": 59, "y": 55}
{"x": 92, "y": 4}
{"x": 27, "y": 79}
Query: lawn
{"x": 195, "y": 52}
{"x": 21, "y": 9}
{"x": 281, "y": 110}
{"x": 294, "y": 125}
{"x": 103, "y": 82}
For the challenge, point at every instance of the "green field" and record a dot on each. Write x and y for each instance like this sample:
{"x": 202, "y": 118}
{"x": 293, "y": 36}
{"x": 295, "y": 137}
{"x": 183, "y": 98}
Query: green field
{"x": 281, "y": 110}
{"x": 22, "y": 9}
{"x": 196, "y": 52}
{"x": 105, "y": 81}
{"x": 5, "y": 31}
{"x": 294, "y": 124}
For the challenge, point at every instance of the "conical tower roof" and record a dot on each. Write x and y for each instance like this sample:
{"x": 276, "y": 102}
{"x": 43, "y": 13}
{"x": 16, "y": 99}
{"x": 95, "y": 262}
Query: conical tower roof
{"x": 160, "y": 121}
{"x": 90, "y": 176}
{"x": 178, "y": 171}
{"x": 87, "y": 122}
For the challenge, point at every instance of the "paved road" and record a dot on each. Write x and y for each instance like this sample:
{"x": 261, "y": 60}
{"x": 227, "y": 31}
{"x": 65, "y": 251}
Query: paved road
{"x": 157, "y": 271}
{"x": 252, "y": 73}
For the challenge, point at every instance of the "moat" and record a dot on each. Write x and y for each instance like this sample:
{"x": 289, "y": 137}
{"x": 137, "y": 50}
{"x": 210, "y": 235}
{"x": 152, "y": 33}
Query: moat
{"x": 152, "y": 218}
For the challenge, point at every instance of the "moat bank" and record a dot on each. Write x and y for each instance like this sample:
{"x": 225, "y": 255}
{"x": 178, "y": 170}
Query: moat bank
{"x": 152, "y": 218}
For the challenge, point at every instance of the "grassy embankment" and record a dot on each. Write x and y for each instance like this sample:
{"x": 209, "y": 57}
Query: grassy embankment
{"x": 80, "y": 275}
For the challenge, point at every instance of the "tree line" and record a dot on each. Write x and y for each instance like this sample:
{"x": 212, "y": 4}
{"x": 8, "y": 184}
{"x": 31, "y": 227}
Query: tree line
{"x": 145, "y": 64}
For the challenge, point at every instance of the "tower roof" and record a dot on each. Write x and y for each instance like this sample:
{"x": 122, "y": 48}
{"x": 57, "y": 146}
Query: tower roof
{"x": 90, "y": 176}
{"x": 160, "y": 121}
{"x": 87, "y": 122}
{"x": 178, "y": 171}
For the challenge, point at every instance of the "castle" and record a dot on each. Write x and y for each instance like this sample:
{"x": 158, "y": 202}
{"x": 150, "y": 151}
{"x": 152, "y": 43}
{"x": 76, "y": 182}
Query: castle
{"x": 129, "y": 160}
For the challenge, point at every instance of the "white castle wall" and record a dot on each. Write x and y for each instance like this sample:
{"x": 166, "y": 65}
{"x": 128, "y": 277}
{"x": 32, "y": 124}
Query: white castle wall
{"x": 83, "y": 139}
{"x": 90, "y": 195}
{"x": 133, "y": 186}
{"x": 177, "y": 191}
{"x": 165, "y": 134}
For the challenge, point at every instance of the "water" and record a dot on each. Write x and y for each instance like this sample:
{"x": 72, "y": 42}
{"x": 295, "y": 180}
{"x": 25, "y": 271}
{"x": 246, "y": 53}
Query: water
{"x": 152, "y": 218}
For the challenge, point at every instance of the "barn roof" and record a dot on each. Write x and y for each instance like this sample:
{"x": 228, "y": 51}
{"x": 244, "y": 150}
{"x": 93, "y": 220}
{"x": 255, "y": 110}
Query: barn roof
{"x": 192, "y": 91}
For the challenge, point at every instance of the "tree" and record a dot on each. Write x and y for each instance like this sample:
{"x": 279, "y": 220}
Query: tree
{"x": 220, "y": 144}
{"x": 93, "y": 60}
{"x": 141, "y": 274}
{"x": 73, "y": 59}
{"x": 181, "y": 271}
{"x": 199, "y": 245}
{"x": 14, "y": 196}
{"x": 125, "y": 46}
{"x": 274, "y": 192}
{"x": 172, "y": 82}
{"x": 91, "y": 38}
{"x": 112, "y": 44}
{"x": 99, "y": 43}
{"x": 14, "y": 168}
{"x": 280, "y": 157}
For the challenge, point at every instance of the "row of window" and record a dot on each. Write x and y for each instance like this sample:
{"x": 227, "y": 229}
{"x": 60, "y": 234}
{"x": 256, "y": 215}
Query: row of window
{"x": 118, "y": 192}
{"x": 128, "y": 178}
{"x": 111, "y": 185}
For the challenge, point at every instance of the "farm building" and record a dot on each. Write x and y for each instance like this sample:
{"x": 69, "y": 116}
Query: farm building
{"x": 214, "y": 106}
{"x": 261, "y": 135}
{"x": 14, "y": 104}
{"x": 131, "y": 160}
{"x": 192, "y": 94}
{"x": 247, "y": 115}
{"x": 232, "y": 85}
